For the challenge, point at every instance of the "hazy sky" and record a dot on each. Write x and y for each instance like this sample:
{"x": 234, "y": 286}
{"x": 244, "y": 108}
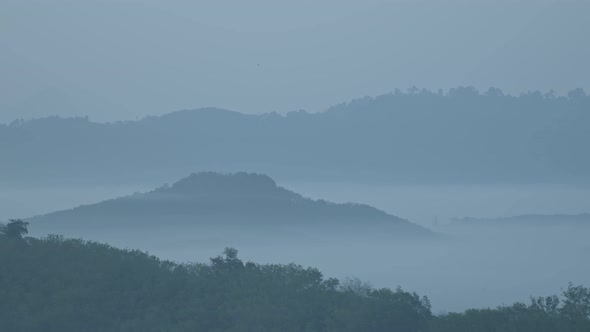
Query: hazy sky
{"x": 126, "y": 59}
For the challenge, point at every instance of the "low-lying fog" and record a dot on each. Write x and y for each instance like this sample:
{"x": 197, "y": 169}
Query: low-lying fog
{"x": 422, "y": 204}
{"x": 482, "y": 266}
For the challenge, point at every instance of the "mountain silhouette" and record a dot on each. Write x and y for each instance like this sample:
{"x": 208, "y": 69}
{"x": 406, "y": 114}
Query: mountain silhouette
{"x": 528, "y": 219}
{"x": 463, "y": 136}
{"x": 209, "y": 200}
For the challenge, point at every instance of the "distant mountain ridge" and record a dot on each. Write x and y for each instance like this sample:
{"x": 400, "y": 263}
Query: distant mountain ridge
{"x": 214, "y": 201}
{"x": 417, "y": 137}
{"x": 533, "y": 219}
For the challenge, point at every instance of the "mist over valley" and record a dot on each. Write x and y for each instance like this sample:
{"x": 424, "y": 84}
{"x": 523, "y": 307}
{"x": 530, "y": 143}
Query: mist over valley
{"x": 301, "y": 166}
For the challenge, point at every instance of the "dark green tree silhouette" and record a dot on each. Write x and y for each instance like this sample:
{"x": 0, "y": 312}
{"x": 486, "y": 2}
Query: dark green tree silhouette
{"x": 16, "y": 229}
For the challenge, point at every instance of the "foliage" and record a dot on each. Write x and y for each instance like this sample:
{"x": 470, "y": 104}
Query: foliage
{"x": 15, "y": 228}
{"x": 543, "y": 314}
{"x": 58, "y": 284}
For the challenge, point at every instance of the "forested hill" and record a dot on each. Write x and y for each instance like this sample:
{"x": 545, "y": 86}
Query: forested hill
{"x": 63, "y": 285}
{"x": 248, "y": 202}
{"x": 462, "y": 136}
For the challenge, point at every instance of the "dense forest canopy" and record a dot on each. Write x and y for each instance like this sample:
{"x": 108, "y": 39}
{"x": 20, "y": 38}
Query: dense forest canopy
{"x": 58, "y": 284}
{"x": 462, "y": 136}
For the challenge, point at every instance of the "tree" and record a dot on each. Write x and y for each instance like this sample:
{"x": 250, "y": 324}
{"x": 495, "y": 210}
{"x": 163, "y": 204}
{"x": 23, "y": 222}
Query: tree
{"x": 578, "y": 93}
{"x": 15, "y": 229}
{"x": 577, "y": 302}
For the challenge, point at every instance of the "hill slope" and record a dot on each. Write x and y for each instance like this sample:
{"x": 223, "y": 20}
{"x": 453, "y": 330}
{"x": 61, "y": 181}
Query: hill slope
{"x": 418, "y": 137}
{"x": 225, "y": 204}
{"x": 62, "y": 285}
{"x": 70, "y": 285}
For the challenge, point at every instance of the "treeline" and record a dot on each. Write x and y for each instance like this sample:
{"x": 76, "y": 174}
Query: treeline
{"x": 57, "y": 284}
{"x": 462, "y": 136}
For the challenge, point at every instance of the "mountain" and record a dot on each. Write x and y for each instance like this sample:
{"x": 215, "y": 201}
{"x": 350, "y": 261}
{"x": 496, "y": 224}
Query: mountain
{"x": 224, "y": 204}
{"x": 463, "y": 136}
{"x": 529, "y": 219}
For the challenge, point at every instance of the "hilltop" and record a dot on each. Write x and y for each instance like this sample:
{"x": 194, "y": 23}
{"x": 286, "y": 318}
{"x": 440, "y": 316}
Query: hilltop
{"x": 214, "y": 202}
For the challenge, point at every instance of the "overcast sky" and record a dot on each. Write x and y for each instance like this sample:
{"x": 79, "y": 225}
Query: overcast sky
{"x": 126, "y": 59}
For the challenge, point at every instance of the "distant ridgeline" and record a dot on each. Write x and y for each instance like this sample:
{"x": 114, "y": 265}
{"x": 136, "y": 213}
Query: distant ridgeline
{"x": 225, "y": 202}
{"x": 528, "y": 219}
{"x": 57, "y": 284}
{"x": 461, "y": 137}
